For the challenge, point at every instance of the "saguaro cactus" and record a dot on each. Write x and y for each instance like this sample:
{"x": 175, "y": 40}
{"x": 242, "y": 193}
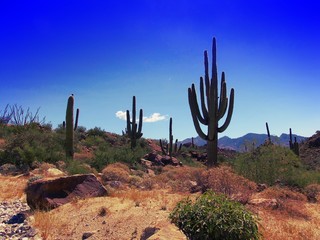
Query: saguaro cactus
{"x": 70, "y": 127}
{"x": 133, "y": 129}
{"x": 268, "y": 132}
{"x": 170, "y": 148}
{"x": 294, "y": 146}
{"x": 213, "y": 107}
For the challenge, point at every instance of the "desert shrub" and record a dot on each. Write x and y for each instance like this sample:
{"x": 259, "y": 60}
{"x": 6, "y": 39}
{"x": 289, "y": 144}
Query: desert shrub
{"x": 312, "y": 192}
{"x": 106, "y": 154}
{"x": 214, "y": 216}
{"x": 223, "y": 180}
{"x": 76, "y": 167}
{"x": 269, "y": 164}
{"x": 179, "y": 179}
{"x": 96, "y": 131}
{"x": 94, "y": 141}
{"x": 281, "y": 194}
{"x": 116, "y": 172}
{"x": 288, "y": 202}
{"x": 28, "y": 144}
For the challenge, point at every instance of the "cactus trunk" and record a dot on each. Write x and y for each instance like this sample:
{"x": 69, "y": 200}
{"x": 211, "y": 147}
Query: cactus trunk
{"x": 69, "y": 128}
{"x": 171, "y": 148}
{"x": 213, "y": 107}
{"x": 133, "y": 130}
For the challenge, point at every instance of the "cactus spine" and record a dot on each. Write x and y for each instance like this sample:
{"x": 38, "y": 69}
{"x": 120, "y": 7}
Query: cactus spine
{"x": 133, "y": 130}
{"x": 70, "y": 127}
{"x": 213, "y": 107}
{"x": 294, "y": 146}
{"x": 171, "y": 148}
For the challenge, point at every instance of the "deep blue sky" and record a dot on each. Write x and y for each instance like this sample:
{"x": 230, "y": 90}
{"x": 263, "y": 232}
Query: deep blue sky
{"x": 104, "y": 52}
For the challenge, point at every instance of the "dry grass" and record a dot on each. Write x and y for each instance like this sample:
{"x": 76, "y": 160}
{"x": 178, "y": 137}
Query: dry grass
{"x": 224, "y": 180}
{"x": 178, "y": 179}
{"x": 12, "y": 187}
{"x": 45, "y": 222}
{"x": 161, "y": 198}
{"x": 115, "y": 217}
{"x": 278, "y": 226}
{"x": 290, "y": 204}
{"x": 116, "y": 172}
{"x": 312, "y": 192}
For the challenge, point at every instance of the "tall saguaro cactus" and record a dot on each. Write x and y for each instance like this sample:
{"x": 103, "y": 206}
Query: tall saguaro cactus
{"x": 133, "y": 129}
{"x": 70, "y": 127}
{"x": 170, "y": 148}
{"x": 213, "y": 106}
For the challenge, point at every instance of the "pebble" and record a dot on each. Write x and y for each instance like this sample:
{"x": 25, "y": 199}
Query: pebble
{"x": 11, "y": 225}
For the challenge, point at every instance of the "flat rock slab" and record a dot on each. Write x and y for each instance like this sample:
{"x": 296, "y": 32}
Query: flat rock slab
{"x": 49, "y": 194}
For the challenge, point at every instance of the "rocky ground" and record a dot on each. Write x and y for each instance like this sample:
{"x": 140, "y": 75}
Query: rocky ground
{"x": 14, "y": 222}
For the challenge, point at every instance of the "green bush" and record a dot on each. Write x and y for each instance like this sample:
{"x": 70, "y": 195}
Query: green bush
{"x": 271, "y": 163}
{"x": 76, "y": 167}
{"x": 106, "y": 154}
{"x": 214, "y": 216}
{"x": 27, "y": 144}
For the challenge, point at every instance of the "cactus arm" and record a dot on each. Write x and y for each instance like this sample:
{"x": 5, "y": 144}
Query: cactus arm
{"x": 194, "y": 102}
{"x": 230, "y": 111}
{"x": 76, "y": 121}
{"x": 223, "y": 103}
{"x": 128, "y": 129}
{"x": 203, "y": 104}
{"x": 139, "y": 134}
{"x": 193, "y": 108}
{"x": 176, "y": 146}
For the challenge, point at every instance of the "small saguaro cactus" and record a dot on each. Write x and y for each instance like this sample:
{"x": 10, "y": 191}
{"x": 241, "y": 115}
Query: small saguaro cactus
{"x": 170, "y": 148}
{"x": 133, "y": 130}
{"x": 268, "y": 132}
{"x": 294, "y": 146}
{"x": 213, "y": 107}
{"x": 70, "y": 127}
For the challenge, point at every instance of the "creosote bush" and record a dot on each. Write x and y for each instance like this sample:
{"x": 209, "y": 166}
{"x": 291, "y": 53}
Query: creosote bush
{"x": 271, "y": 164}
{"x": 214, "y": 216}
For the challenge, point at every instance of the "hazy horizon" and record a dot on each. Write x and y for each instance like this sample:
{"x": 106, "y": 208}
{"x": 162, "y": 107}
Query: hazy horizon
{"x": 106, "y": 52}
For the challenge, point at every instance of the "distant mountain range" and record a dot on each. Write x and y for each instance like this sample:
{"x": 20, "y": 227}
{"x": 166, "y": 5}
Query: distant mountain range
{"x": 246, "y": 141}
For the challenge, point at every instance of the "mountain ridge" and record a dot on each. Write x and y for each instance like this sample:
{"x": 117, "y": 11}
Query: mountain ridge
{"x": 240, "y": 144}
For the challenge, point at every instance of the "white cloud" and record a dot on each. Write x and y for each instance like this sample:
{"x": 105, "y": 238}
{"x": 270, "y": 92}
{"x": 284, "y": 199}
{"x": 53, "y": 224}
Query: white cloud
{"x": 155, "y": 117}
{"x": 121, "y": 115}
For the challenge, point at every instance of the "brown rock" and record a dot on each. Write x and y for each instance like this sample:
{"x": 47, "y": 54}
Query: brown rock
{"x": 267, "y": 203}
{"x": 49, "y": 194}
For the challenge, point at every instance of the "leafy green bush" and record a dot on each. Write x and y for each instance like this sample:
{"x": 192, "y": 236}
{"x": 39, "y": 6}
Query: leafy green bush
{"x": 214, "y": 216}
{"x": 27, "y": 144}
{"x": 271, "y": 163}
{"x": 106, "y": 154}
{"x": 76, "y": 167}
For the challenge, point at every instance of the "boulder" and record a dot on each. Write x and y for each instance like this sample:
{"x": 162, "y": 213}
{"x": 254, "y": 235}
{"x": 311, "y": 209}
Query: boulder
{"x": 49, "y": 194}
{"x": 263, "y": 202}
{"x": 8, "y": 169}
